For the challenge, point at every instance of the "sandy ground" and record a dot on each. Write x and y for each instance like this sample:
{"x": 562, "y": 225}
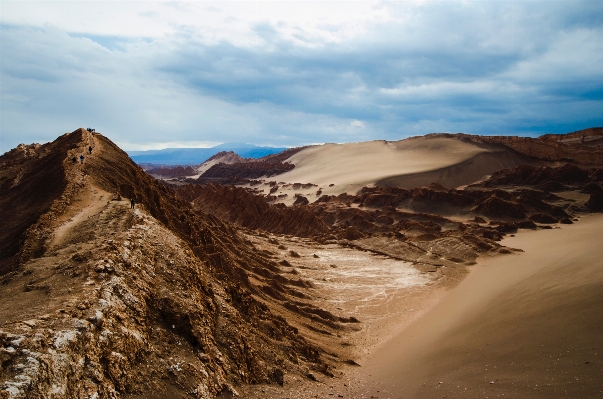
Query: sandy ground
{"x": 366, "y": 162}
{"x": 525, "y": 325}
{"x": 383, "y": 293}
{"x": 519, "y": 325}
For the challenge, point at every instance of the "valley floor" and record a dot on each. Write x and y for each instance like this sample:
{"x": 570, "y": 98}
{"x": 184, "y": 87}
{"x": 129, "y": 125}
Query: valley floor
{"x": 519, "y": 325}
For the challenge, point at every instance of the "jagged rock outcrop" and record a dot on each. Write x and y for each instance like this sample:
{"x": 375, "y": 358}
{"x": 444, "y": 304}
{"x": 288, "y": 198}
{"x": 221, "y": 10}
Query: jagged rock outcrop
{"x": 532, "y": 175}
{"x": 500, "y": 208}
{"x": 237, "y": 205}
{"x": 583, "y": 147}
{"x": 20, "y": 153}
{"x": 375, "y": 210}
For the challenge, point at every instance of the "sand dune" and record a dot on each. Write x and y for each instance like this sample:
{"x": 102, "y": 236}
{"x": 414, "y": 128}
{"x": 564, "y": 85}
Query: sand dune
{"x": 521, "y": 325}
{"x": 462, "y": 173}
{"x": 412, "y": 162}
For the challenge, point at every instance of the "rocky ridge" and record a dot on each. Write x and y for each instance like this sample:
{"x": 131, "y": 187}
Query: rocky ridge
{"x": 157, "y": 300}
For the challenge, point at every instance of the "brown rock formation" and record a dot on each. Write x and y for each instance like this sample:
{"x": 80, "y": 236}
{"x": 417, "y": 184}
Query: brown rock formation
{"x": 171, "y": 171}
{"x": 248, "y": 170}
{"x": 237, "y": 205}
{"x": 500, "y": 208}
{"x": 595, "y": 202}
{"x": 231, "y": 155}
{"x": 300, "y": 200}
{"x": 584, "y": 147}
{"x": 32, "y": 181}
{"x": 107, "y": 301}
{"x": 282, "y": 156}
{"x": 533, "y": 175}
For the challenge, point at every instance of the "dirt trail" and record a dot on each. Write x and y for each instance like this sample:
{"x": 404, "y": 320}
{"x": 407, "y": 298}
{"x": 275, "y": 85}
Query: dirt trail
{"x": 51, "y": 282}
{"x": 90, "y": 205}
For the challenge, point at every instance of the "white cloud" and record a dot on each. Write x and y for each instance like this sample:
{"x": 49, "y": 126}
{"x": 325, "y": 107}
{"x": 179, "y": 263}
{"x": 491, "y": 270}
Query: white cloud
{"x": 331, "y": 21}
{"x": 291, "y": 73}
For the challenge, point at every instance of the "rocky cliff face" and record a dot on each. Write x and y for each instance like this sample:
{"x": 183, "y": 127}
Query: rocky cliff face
{"x": 584, "y": 147}
{"x": 32, "y": 181}
{"x": 101, "y": 300}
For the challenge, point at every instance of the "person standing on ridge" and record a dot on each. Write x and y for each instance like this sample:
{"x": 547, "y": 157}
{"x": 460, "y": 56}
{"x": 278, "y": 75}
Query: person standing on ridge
{"x": 90, "y": 150}
{"x": 82, "y": 158}
{"x": 132, "y": 203}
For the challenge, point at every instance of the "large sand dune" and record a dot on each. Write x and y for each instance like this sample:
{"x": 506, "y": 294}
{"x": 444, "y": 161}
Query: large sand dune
{"x": 407, "y": 163}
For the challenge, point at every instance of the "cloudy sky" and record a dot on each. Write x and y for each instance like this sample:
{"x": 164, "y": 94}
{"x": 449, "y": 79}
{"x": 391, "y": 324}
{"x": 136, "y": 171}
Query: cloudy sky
{"x": 282, "y": 73}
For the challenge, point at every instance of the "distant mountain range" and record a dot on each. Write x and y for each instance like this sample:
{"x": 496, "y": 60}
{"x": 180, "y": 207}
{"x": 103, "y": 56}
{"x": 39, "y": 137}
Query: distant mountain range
{"x": 196, "y": 156}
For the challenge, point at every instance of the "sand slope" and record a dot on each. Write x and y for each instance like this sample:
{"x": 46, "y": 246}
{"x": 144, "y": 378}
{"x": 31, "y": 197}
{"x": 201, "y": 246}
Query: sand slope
{"x": 524, "y": 325}
{"x": 468, "y": 171}
{"x": 412, "y": 162}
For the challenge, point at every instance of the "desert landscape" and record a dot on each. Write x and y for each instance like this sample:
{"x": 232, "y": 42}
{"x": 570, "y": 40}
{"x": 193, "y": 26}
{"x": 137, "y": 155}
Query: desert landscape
{"x": 445, "y": 265}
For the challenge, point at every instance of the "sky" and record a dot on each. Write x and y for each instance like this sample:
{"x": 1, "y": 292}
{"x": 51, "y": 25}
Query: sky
{"x": 153, "y": 75}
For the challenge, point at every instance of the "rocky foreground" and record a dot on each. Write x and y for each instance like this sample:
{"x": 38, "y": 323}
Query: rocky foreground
{"x": 100, "y": 300}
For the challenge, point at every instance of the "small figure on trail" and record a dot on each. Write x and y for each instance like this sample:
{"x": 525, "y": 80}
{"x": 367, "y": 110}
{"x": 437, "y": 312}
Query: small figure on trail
{"x": 82, "y": 158}
{"x": 90, "y": 150}
{"x": 132, "y": 203}
{"x": 74, "y": 160}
